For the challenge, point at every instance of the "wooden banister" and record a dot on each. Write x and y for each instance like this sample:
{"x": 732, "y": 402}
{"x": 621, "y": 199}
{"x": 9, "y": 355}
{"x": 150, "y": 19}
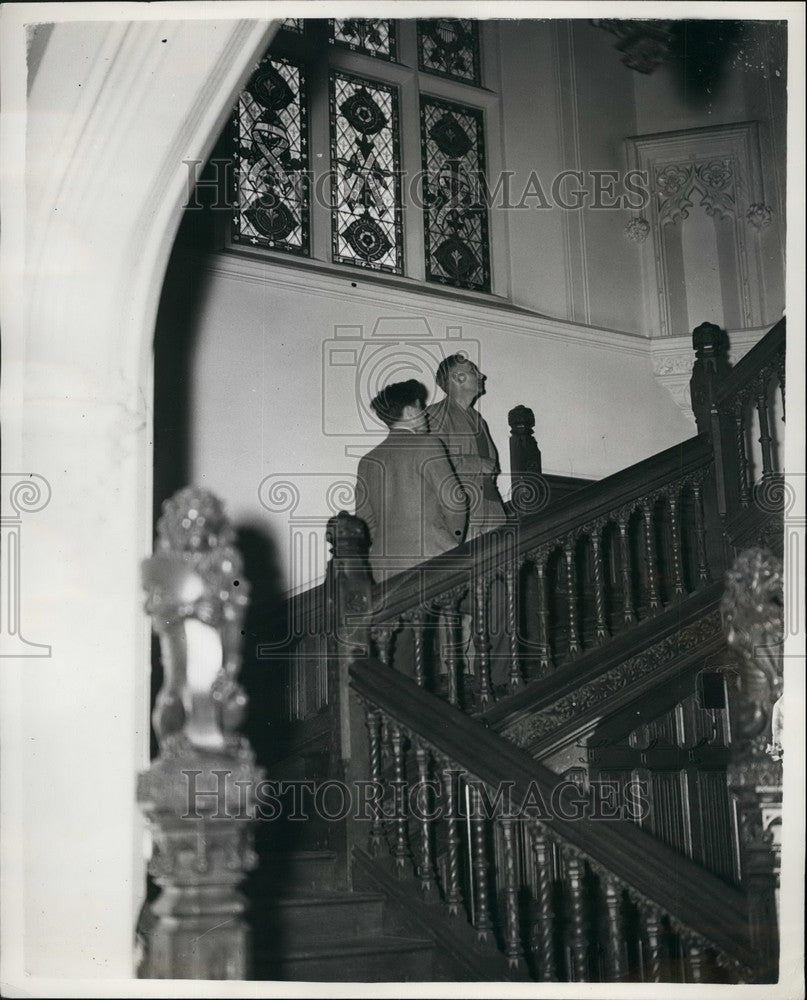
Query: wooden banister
{"x": 483, "y": 554}
{"x": 761, "y": 356}
{"x": 695, "y": 900}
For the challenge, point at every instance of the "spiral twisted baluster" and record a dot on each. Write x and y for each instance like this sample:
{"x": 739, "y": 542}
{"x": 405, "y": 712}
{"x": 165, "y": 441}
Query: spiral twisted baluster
{"x": 628, "y": 612}
{"x": 452, "y": 876}
{"x": 373, "y": 718}
{"x": 546, "y": 911}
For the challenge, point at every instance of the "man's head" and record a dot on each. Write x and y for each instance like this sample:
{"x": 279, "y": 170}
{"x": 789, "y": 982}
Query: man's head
{"x": 402, "y": 404}
{"x": 459, "y": 377}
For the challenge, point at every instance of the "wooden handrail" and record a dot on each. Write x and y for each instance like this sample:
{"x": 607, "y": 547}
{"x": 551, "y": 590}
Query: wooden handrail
{"x": 751, "y": 364}
{"x": 688, "y": 893}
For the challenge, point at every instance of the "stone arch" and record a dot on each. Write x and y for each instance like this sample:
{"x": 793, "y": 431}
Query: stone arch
{"x": 112, "y": 110}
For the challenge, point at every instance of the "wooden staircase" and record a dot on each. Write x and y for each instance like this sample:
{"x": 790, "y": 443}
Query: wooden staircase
{"x": 600, "y": 616}
{"x": 305, "y": 927}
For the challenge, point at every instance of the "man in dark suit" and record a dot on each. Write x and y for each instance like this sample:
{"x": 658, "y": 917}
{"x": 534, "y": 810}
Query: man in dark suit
{"x": 407, "y": 491}
{"x": 465, "y": 433}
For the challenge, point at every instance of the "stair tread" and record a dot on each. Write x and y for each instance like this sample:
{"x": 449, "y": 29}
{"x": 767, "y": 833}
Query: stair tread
{"x": 286, "y": 856}
{"x": 376, "y": 944}
{"x": 326, "y": 898}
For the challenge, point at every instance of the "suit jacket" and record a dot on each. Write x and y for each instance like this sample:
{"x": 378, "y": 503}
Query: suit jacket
{"x": 409, "y": 497}
{"x": 464, "y": 432}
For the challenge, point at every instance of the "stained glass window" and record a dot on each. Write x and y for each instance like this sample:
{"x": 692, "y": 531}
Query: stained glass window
{"x": 455, "y": 216}
{"x": 450, "y": 47}
{"x": 271, "y": 159}
{"x": 295, "y": 24}
{"x": 371, "y": 38}
{"x": 365, "y": 184}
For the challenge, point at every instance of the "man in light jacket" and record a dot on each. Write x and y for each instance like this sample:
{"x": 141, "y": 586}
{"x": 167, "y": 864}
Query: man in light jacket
{"x": 407, "y": 491}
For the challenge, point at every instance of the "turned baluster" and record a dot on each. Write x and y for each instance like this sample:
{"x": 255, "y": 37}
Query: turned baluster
{"x": 546, "y": 911}
{"x": 653, "y": 602}
{"x": 577, "y": 944}
{"x": 765, "y": 439}
{"x": 652, "y": 928}
{"x": 425, "y": 866}
{"x": 382, "y": 636}
{"x": 400, "y": 850}
{"x": 571, "y": 585}
{"x": 512, "y": 941}
{"x": 482, "y": 921}
{"x": 616, "y": 944}
{"x": 418, "y": 625}
{"x": 543, "y": 612}
{"x": 693, "y": 952}
{"x": 374, "y": 742}
{"x": 511, "y": 619}
{"x": 700, "y": 535}
{"x": 601, "y": 633}
{"x": 450, "y": 653}
{"x": 624, "y": 554}
{"x": 481, "y": 638}
{"x": 675, "y": 543}
{"x": 451, "y": 887}
{"x": 742, "y": 456}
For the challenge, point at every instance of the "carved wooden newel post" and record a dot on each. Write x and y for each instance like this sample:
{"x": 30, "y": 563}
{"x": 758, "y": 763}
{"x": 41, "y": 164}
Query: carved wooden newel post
{"x": 355, "y": 732}
{"x": 709, "y": 370}
{"x": 752, "y": 616}
{"x": 198, "y": 792}
{"x": 349, "y": 588}
{"x": 529, "y": 492}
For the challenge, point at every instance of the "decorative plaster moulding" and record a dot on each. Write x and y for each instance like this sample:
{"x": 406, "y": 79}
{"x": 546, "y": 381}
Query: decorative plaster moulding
{"x": 672, "y": 360}
{"x": 718, "y": 169}
{"x": 309, "y": 280}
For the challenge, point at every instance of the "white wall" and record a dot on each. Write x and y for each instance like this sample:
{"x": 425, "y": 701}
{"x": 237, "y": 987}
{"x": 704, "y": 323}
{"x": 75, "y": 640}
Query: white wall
{"x": 568, "y": 104}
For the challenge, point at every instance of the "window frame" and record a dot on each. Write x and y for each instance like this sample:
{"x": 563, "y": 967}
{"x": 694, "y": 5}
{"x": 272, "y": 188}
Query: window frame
{"x": 411, "y": 83}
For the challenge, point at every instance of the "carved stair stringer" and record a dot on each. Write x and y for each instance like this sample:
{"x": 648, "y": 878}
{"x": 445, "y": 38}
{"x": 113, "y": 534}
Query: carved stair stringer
{"x": 697, "y": 904}
{"x": 558, "y": 711}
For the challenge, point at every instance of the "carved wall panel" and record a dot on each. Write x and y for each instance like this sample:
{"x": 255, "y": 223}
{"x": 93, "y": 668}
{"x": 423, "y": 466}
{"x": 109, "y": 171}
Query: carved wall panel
{"x": 707, "y": 207}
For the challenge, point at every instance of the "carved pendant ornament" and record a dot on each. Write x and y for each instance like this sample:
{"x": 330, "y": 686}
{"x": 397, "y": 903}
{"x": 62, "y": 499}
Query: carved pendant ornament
{"x": 678, "y": 184}
{"x": 195, "y": 576}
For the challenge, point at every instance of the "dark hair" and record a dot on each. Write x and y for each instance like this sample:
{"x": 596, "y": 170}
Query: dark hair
{"x": 390, "y": 402}
{"x": 446, "y": 366}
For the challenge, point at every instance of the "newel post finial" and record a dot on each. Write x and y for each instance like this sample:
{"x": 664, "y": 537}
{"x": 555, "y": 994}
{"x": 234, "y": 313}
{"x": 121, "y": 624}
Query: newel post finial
{"x": 529, "y": 489}
{"x": 710, "y": 344}
{"x": 198, "y": 793}
{"x": 350, "y": 579}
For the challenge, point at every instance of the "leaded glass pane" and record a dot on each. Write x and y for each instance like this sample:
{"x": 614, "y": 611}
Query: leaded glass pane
{"x": 271, "y": 159}
{"x": 455, "y": 217}
{"x": 371, "y": 38}
{"x": 450, "y": 47}
{"x": 365, "y": 185}
{"x": 295, "y": 24}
